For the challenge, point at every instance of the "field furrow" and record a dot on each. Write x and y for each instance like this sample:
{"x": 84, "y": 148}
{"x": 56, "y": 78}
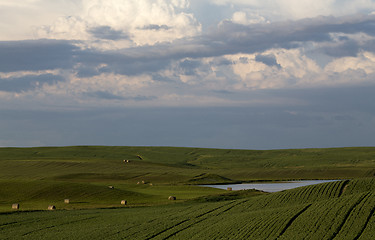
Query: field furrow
{"x": 292, "y": 220}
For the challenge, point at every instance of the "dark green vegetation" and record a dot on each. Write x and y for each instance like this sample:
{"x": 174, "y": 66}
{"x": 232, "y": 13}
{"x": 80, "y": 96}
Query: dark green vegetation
{"x": 336, "y": 210}
{"x": 38, "y": 177}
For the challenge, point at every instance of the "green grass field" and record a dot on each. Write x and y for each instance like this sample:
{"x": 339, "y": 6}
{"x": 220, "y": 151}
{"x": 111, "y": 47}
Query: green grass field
{"x": 38, "y": 177}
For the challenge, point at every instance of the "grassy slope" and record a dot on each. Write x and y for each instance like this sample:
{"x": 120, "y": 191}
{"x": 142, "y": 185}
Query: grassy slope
{"x": 37, "y": 177}
{"x": 182, "y": 164}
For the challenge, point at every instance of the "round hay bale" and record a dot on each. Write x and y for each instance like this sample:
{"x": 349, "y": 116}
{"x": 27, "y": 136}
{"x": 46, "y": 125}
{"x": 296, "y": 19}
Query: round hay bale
{"x": 124, "y": 202}
{"x": 67, "y": 201}
{"x": 111, "y": 187}
{"x": 15, "y": 206}
{"x": 51, "y": 207}
{"x": 143, "y": 182}
{"x": 151, "y": 184}
{"x": 229, "y": 189}
{"x": 172, "y": 198}
{"x": 138, "y": 183}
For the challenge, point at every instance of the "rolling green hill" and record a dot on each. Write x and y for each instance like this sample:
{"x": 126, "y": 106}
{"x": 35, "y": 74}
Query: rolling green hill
{"x": 335, "y": 210}
{"x": 38, "y": 177}
{"x": 179, "y": 165}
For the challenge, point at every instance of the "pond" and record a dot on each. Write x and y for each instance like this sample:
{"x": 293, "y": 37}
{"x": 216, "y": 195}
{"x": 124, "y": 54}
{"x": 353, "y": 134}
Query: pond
{"x": 270, "y": 186}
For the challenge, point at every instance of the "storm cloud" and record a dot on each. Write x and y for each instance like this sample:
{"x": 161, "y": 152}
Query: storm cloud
{"x": 36, "y": 55}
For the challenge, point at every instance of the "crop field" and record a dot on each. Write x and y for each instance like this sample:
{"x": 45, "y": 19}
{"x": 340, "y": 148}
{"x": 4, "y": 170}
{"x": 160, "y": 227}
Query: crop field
{"x": 327, "y": 213}
{"x": 38, "y": 177}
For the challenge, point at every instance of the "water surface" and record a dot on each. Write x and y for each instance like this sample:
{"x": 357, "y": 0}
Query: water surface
{"x": 271, "y": 186}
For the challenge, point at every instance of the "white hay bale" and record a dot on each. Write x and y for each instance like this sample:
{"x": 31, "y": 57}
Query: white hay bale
{"x": 124, "y": 202}
{"x": 172, "y": 198}
{"x": 51, "y": 207}
{"x": 111, "y": 187}
{"x": 15, "y": 206}
{"x": 67, "y": 201}
{"x": 143, "y": 182}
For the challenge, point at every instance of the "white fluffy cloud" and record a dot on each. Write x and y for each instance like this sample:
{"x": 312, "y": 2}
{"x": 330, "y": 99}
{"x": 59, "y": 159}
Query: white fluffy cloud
{"x": 297, "y": 9}
{"x": 291, "y": 69}
{"x": 244, "y": 18}
{"x": 18, "y": 19}
{"x": 365, "y": 61}
{"x": 139, "y": 21}
{"x": 20, "y": 3}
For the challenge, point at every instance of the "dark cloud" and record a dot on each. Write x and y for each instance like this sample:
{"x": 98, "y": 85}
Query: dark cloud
{"x": 36, "y": 55}
{"x": 140, "y": 98}
{"x": 189, "y": 67}
{"x": 225, "y": 92}
{"x": 27, "y": 83}
{"x": 345, "y": 48}
{"x": 221, "y": 61}
{"x": 140, "y": 66}
{"x": 269, "y": 60}
{"x": 368, "y": 46}
{"x": 350, "y": 25}
{"x": 231, "y": 38}
{"x": 155, "y": 27}
{"x": 129, "y": 62}
{"x": 106, "y": 32}
{"x": 160, "y": 78}
{"x": 104, "y": 95}
{"x": 110, "y": 96}
{"x": 87, "y": 71}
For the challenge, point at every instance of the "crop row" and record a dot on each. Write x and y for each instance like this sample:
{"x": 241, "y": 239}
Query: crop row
{"x": 349, "y": 217}
{"x": 300, "y": 195}
{"x": 360, "y": 185}
{"x": 331, "y": 218}
{"x": 314, "y": 212}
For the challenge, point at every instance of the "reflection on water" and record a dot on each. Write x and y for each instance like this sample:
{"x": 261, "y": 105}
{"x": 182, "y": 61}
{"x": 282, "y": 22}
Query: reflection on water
{"x": 270, "y": 187}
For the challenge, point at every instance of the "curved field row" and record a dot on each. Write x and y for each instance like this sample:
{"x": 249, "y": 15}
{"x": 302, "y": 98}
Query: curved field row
{"x": 313, "y": 212}
{"x": 360, "y": 185}
{"x": 302, "y": 195}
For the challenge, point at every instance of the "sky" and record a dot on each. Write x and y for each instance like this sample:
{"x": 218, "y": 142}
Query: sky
{"x": 254, "y": 74}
